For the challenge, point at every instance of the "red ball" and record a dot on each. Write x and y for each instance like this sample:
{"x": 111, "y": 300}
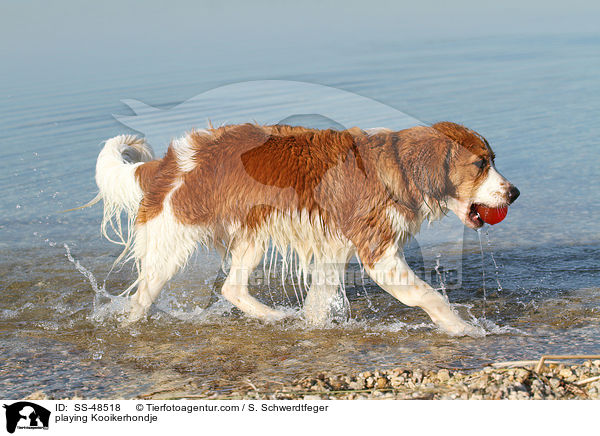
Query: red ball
{"x": 492, "y": 215}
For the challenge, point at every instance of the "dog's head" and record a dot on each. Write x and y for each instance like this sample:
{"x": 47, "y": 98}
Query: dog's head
{"x": 473, "y": 175}
{"x": 445, "y": 165}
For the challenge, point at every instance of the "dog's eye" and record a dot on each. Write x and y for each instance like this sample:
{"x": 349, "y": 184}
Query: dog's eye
{"x": 480, "y": 163}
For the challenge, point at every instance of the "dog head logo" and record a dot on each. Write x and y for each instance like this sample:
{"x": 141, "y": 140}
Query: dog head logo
{"x": 26, "y": 415}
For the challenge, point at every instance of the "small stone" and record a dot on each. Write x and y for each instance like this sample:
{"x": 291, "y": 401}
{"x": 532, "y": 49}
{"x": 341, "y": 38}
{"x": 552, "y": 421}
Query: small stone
{"x": 381, "y": 383}
{"x": 521, "y": 375}
{"x": 356, "y": 386}
{"x": 565, "y": 373}
{"x": 483, "y": 382}
{"x": 554, "y": 383}
{"x": 443, "y": 375}
{"x": 417, "y": 376}
{"x": 336, "y": 385}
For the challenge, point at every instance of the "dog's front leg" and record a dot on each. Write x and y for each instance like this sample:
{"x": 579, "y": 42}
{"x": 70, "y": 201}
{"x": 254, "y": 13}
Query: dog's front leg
{"x": 393, "y": 274}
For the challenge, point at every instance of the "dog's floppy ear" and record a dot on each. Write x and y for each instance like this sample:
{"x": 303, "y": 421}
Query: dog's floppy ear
{"x": 424, "y": 156}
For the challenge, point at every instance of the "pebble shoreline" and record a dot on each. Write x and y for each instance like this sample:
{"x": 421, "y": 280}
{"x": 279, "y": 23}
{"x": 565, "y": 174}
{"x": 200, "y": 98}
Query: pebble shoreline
{"x": 553, "y": 382}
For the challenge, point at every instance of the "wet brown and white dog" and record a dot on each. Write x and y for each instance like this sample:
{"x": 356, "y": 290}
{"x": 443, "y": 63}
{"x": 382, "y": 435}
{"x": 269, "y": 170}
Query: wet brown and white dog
{"x": 327, "y": 195}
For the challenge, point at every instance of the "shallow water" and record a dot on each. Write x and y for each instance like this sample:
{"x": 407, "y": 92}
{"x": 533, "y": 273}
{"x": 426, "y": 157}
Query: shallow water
{"x": 535, "y": 99}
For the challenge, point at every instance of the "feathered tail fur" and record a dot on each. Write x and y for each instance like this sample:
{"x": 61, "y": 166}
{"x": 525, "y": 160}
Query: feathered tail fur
{"x": 119, "y": 189}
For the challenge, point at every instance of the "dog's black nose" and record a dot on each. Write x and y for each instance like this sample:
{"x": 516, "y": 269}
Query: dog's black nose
{"x": 513, "y": 194}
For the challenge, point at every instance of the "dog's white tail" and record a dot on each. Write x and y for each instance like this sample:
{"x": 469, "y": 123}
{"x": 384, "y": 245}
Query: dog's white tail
{"x": 119, "y": 189}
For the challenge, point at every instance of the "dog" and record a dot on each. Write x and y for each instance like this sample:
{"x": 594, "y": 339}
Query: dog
{"x": 325, "y": 194}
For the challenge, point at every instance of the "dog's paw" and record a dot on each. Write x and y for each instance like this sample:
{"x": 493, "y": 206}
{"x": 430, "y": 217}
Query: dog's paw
{"x": 474, "y": 331}
{"x": 135, "y": 314}
{"x": 274, "y": 316}
{"x": 463, "y": 329}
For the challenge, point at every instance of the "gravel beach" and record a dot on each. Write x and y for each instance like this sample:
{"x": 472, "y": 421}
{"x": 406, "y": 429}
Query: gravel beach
{"x": 555, "y": 381}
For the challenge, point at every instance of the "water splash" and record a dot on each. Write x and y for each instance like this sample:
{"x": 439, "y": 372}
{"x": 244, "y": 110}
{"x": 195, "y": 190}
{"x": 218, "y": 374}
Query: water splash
{"x": 439, "y": 276}
{"x": 370, "y": 304}
{"x": 491, "y": 328}
{"x": 105, "y": 305}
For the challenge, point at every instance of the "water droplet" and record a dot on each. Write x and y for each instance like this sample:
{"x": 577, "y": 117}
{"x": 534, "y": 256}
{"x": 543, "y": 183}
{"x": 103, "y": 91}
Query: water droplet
{"x": 97, "y": 355}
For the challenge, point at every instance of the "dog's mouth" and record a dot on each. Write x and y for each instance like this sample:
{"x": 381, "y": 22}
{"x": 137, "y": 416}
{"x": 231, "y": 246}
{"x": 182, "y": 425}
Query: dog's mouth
{"x": 474, "y": 220}
{"x": 478, "y": 214}
{"x": 475, "y": 215}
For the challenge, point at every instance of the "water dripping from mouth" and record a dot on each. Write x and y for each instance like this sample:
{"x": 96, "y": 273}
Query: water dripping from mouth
{"x": 489, "y": 243}
{"x": 482, "y": 274}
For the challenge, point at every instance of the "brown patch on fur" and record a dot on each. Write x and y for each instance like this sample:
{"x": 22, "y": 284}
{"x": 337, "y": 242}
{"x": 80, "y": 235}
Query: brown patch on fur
{"x": 245, "y": 174}
{"x": 156, "y": 188}
{"x": 145, "y": 174}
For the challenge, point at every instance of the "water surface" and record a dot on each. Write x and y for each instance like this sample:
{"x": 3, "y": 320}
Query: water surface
{"x": 536, "y": 100}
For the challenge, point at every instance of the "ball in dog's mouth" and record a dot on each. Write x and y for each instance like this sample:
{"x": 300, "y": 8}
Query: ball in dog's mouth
{"x": 479, "y": 214}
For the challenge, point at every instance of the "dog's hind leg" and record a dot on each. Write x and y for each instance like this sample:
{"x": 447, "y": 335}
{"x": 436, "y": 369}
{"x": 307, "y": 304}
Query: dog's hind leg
{"x": 324, "y": 297}
{"x": 393, "y": 274}
{"x": 245, "y": 256}
{"x": 162, "y": 246}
